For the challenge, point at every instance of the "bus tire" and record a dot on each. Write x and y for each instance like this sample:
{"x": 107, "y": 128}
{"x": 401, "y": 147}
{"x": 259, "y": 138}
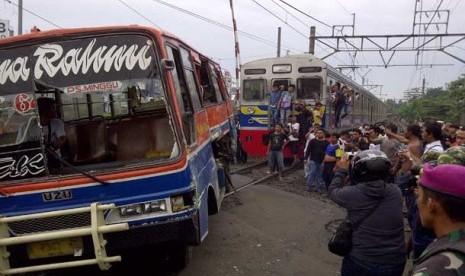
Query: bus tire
{"x": 180, "y": 256}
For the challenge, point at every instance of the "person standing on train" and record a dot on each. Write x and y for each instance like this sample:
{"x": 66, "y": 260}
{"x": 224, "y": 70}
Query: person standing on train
{"x": 285, "y": 103}
{"x": 317, "y": 114}
{"x": 340, "y": 102}
{"x": 349, "y": 103}
{"x": 274, "y": 96}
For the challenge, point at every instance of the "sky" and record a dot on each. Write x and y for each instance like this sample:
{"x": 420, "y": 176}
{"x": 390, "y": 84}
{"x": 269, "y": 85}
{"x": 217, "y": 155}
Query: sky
{"x": 260, "y": 19}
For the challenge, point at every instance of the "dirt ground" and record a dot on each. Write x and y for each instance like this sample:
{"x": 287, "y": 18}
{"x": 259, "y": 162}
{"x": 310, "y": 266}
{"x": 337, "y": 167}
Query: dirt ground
{"x": 276, "y": 228}
{"x": 266, "y": 231}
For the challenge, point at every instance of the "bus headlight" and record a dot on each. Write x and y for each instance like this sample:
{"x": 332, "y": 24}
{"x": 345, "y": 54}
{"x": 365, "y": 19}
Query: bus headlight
{"x": 182, "y": 202}
{"x": 250, "y": 110}
{"x": 177, "y": 204}
{"x": 156, "y": 206}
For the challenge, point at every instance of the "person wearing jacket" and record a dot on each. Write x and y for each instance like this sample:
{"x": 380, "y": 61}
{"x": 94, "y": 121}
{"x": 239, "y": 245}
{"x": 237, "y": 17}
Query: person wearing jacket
{"x": 441, "y": 204}
{"x": 378, "y": 242}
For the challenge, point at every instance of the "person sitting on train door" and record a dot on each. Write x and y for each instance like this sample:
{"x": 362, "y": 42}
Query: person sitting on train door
{"x": 332, "y": 93}
{"x": 340, "y": 103}
{"x": 53, "y": 129}
{"x": 274, "y": 96}
{"x": 285, "y": 103}
{"x": 349, "y": 103}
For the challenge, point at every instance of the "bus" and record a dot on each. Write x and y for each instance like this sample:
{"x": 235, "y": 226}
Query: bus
{"x": 312, "y": 78}
{"x": 148, "y": 127}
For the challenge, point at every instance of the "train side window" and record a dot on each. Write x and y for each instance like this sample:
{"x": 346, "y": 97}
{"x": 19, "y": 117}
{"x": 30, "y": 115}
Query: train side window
{"x": 182, "y": 95}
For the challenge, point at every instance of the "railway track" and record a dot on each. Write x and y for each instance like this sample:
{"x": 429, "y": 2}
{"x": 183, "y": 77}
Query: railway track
{"x": 262, "y": 179}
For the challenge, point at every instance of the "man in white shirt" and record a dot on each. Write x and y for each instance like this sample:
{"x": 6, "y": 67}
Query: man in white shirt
{"x": 294, "y": 128}
{"x": 431, "y": 135}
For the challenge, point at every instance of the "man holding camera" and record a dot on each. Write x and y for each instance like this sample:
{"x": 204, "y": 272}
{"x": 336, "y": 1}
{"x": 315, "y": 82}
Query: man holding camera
{"x": 375, "y": 208}
{"x": 441, "y": 204}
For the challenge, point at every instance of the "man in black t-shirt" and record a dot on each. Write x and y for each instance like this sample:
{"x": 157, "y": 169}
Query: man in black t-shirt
{"x": 278, "y": 140}
{"x": 317, "y": 151}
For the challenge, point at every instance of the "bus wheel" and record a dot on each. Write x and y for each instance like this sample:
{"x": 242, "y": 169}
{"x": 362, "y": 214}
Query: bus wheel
{"x": 180, "y": 256}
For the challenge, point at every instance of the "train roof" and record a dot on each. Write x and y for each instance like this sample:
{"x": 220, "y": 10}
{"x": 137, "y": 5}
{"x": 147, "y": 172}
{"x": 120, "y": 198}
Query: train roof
{"x": 287, "y": 58}
{"x": 316, "y": 61}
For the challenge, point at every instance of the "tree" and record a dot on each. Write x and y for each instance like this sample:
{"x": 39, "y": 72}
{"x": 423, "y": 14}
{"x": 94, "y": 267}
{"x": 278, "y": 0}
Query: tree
{"x": 437, "y": 104}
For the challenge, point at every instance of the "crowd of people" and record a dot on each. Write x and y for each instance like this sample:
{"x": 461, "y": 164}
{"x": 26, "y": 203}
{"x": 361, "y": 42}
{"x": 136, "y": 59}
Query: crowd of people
{"x": 372, "y": 170}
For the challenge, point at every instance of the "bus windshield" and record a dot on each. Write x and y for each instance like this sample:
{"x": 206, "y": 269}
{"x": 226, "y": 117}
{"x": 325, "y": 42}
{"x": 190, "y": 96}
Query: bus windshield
{"x": 108, "y": 95}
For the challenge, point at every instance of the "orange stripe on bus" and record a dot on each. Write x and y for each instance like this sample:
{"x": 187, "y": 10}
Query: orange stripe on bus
{"x": 85, "y": 180}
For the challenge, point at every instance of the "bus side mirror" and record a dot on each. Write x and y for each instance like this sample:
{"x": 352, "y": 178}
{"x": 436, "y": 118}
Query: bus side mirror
{"x": 167, "y": 64}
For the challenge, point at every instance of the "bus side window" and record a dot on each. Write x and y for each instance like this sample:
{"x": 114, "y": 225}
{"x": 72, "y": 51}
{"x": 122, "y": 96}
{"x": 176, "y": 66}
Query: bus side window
{"x": 182, "y": 95}
{"x": 190, "y": 79}
{"x": 209, "y": 94}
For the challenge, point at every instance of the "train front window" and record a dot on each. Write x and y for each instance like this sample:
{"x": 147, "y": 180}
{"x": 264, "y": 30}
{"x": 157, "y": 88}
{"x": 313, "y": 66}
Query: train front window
{"x": 254, "y": 90}
{"x": 309, "y": 88}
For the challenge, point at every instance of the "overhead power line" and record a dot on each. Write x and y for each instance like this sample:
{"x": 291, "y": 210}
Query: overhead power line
{"x": 141, "y": 15}
{"x": 35, "y": 14}
{"x": 344, "y": 8}
{"x": 308, "y": 15}
{"x": 280, "y": 19}
{"x": 224, "y": 26}
{"x": 296, "y": 18}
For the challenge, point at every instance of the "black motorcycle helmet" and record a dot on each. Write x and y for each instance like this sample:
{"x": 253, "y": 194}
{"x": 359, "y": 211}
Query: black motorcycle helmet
{"x": 370, "y": 165}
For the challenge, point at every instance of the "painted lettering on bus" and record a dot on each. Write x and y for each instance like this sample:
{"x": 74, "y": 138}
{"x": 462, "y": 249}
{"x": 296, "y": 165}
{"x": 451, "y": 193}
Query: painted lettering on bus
{"x": 51, "y": 59}
{"x": 93, "y": 87}
{"x": 25, "y": 165}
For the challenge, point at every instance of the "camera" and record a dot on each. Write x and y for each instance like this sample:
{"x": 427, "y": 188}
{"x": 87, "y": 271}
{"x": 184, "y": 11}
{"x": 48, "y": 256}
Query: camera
{"x": 351, "y": 155}
{"x": 416, "y": 169}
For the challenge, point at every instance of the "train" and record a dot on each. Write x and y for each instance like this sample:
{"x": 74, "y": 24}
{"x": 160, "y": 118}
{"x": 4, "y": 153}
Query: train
{"x": 313, "y": 79}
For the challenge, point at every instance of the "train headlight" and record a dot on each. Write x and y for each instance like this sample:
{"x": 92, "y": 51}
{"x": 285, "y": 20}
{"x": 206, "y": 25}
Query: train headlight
{"x": 250, "y": 110}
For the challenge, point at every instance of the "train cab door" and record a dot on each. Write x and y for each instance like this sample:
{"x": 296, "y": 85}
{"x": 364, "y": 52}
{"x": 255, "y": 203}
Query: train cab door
{"x": 281, "y": 83}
